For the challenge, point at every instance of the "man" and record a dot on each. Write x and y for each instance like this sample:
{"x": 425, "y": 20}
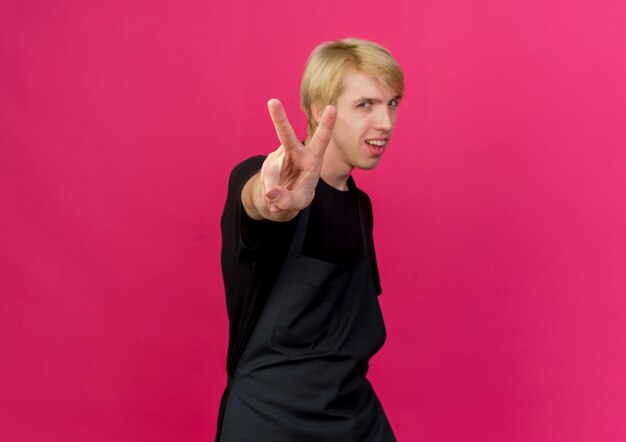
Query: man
{"x": 299, "y": 265}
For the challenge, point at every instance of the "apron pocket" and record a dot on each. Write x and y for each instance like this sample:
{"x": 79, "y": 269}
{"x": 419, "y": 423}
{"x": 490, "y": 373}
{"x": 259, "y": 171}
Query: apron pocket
{"x": 304, "y": 317}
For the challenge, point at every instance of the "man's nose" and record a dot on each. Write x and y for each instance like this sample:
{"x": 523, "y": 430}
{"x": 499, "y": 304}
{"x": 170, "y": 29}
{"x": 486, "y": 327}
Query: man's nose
{"x": 384, "y": 119}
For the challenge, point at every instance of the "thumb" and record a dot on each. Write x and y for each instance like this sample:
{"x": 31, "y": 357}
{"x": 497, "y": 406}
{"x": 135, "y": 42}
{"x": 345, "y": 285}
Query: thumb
{"x": 278, "y": 199}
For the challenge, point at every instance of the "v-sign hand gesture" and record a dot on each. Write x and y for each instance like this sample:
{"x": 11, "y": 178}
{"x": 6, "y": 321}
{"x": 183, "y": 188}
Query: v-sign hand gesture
{"x": 286, "y": 183}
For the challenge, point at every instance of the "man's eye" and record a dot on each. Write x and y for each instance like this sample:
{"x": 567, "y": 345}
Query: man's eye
{"x": 364, "y": 105}
{"x": 393, "y": 104}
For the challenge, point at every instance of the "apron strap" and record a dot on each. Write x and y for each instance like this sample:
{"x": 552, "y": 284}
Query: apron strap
{"x": 298, "y": 237}
{"x": 362, "y": 217}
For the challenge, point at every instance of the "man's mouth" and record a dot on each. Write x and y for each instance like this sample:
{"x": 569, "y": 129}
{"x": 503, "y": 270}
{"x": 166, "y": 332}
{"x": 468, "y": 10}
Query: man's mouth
{"x": 376, "y": 143}
{"x": 377, "y": 146}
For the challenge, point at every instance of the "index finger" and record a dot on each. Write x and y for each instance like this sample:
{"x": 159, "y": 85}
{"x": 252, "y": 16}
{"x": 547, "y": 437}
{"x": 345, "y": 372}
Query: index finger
{"x": 285, "y": 132}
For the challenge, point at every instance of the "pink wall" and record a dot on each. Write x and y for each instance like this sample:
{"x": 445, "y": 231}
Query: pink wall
{"x": 500, "y": 211}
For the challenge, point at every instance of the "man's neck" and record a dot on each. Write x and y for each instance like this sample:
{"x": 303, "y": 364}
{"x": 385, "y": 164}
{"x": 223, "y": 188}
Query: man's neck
{"x": 333, "y": 177}
{"x": 334, "y": 172}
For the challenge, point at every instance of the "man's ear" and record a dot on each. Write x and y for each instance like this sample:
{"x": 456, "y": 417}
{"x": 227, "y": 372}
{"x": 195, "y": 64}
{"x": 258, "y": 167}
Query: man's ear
{"x": 317, "y": 111}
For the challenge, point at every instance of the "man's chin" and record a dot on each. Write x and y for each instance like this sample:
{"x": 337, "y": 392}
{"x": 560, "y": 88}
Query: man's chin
{"x": 369, "y": 165}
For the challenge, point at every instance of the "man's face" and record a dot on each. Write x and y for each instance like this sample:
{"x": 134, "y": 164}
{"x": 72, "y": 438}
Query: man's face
{"x": 366, "y": 116}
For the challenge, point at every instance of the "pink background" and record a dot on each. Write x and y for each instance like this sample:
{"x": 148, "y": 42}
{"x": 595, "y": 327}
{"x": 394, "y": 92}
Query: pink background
{"x": 499, "y": 211}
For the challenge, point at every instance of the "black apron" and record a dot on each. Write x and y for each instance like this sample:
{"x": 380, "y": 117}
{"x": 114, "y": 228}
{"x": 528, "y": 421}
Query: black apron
{"x": 302, "y": 376}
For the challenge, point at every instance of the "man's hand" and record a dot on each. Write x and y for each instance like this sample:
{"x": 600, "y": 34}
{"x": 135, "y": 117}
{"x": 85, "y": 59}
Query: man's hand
{"x": 286, "y": 183}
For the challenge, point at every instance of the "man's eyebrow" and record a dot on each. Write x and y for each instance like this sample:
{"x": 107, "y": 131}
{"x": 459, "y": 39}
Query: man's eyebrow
{"x": 375, "y": 100}
{"x": 367, "y": 99}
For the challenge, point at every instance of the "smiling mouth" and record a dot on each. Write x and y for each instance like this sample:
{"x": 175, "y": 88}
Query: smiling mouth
{"x": 376, "y": 143}
{"x": 376, "y": 147}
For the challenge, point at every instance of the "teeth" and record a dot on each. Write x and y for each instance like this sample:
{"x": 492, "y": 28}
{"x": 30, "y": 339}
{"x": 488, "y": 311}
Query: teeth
{"x": 379, "y": 143}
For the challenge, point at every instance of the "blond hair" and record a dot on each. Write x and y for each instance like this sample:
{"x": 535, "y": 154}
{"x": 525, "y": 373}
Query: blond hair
{"x": 322, "y": 81}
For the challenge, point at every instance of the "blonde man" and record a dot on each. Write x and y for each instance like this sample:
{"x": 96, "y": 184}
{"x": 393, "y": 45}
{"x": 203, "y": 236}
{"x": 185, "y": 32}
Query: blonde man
{"x": 299, "y": 264}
